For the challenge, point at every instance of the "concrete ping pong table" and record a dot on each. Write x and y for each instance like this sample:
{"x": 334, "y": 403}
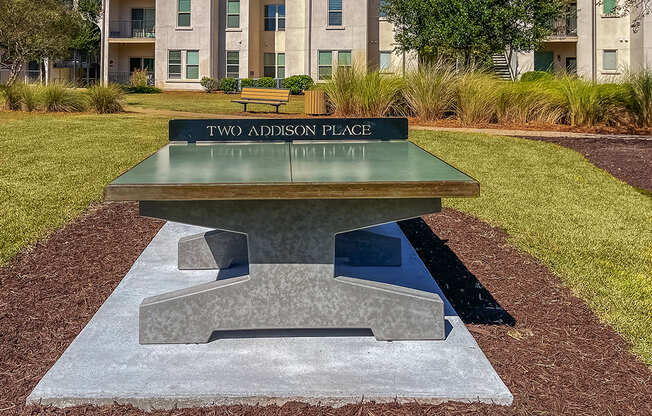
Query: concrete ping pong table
{"x": 278, "y": 192}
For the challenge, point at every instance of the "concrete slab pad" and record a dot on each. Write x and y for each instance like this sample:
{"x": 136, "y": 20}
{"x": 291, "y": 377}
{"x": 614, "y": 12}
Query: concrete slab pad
{"x": 106, "y": 364}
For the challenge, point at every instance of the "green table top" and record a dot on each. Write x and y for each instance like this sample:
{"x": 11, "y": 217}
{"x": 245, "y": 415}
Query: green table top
{"x": 344, "y": 166}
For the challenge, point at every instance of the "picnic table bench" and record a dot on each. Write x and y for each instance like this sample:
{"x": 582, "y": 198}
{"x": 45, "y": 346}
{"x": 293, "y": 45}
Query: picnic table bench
{"x": 270, "y": 96}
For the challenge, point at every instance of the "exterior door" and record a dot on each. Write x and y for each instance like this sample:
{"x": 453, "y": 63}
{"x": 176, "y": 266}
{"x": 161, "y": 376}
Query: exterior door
{"x": 137, "y": 24}
{"x": 543, "y": 61}
{"x": 571, "y": 65}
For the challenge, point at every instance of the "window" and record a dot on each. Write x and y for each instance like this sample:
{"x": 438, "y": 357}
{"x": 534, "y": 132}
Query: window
{"x": 280, "y": 10}
{"x": 270, "y": 18}
{"x": 543, "y": 61}
{"x": 381, "y": 6}
{"x": 174, "y": 65}
{"x": 233, "y": 64}
{"x": 609, "y": 6}
{"x": 344, "y": 59}
{"x": 280, "y": 65}
{"x": 192, "y": 65}
{"x": 334, "y": 12}
{"x": 274, "y": 65}
{"x": 610, "y": 60}
{"x": 325, "y": 65}
{"x": 233, "y": 14}
{"x": 385, "y": 61}
{"x": 269, "y": 69}
{"x": 183, "y": 16}
{"x": 274, "y": 17}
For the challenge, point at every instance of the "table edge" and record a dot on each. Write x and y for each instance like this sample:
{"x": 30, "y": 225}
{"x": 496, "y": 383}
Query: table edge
{"x": 295, "y": 190}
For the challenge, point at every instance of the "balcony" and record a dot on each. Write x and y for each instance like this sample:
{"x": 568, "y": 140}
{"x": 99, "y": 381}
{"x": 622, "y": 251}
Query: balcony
{"x": 132, "y": 29}
{"x": 564, "y": 28}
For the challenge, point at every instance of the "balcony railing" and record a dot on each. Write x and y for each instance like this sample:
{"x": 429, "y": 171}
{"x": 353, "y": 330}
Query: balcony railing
{"x": 565, "y": 26}
{"x": 124, "y": 77}
{"x": 132, "y": 29}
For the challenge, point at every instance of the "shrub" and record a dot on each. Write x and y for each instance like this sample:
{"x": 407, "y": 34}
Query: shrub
{"x": 144, "y": 89}
{"x": 210, "y": 84}
{"x": 229, "y": 85}
{"x": 138, "y": 79}
{"x": 31, "y": 96}
{"x": 637, "y": 96}
{"x": 524, "y": 102}
{"x": 586, "y": 103}
{"x": 58, "y": 97}
{"x": 266, "y": 82}
{"x": 476, "y": 96}
{"x": 13, "y": 95}
{"x": 106, "y": 99}
{"x": 247, "y": 82}
{"x": 537, "y": 76}
{"x": 429, "y": 91}
{"x": 298, "y": 83}
{"x": 356, "y": 92}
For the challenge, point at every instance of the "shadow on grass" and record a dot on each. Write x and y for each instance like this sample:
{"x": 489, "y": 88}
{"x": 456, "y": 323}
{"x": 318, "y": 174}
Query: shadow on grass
{"x": 472, "y": 301}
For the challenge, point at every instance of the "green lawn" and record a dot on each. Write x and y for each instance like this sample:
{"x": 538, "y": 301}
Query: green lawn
{"x": 591, "y": 229}
{"x": 594, "y": 231}
{"x": 216, "y": 103}
{"x": 52, "y": 167}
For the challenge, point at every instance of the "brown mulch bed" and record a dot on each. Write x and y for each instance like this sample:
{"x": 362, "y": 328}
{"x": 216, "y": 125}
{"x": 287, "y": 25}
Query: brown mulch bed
{"x": 551, "y": 351}
{"x": 623, "y": 129}
{"x": 627, "y": 160}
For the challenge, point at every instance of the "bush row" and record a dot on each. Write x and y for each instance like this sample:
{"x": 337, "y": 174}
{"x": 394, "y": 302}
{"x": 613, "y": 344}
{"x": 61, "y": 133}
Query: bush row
{"x": 473, "y": 97}
{"x": 297, "y": 84}
{"x": 62, "y": 98}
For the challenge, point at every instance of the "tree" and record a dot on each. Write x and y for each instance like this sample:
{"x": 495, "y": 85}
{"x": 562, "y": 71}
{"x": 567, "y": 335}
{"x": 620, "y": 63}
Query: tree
{"x": 638, "y": 9}
{"x": 470, "y": 28}
{"x": 34, "y": 30}
{"x": 88, "y": 35}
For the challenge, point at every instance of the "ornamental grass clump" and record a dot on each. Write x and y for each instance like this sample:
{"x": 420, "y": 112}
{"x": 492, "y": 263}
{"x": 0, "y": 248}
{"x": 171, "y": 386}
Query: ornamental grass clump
{"x": 106, "y": 99}
{"x": 13, "y": 97}
{"x": 430, "y": 90}
{"x": 31, "y": 97}
{"x": 354, "y": 92}
{"x": 637, "y": 96}
{"x": 523, "y": 102}
{"x": 476, "y": 97}
{"x": 60, "y": 98}
{"x": 587, "y": 104}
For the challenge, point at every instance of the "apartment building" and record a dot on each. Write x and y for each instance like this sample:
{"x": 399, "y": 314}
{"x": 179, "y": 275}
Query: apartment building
{"x": 594, "y": 42}
{"x": 181, "y": 41}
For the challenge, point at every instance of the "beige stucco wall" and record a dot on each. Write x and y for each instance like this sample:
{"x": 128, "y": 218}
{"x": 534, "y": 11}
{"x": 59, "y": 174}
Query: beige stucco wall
{"x": 641, "y": 45}
{"x": 196, "y": 37}
{"x": 119, "y": 55}
{"x": 352, "y": 35}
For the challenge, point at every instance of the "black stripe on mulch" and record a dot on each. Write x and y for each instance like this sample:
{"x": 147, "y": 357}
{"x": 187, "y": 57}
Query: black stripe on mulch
{"x": 551, "y": 351}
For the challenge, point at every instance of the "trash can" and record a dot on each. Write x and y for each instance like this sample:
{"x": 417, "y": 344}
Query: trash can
{"x": 315, "y": 102}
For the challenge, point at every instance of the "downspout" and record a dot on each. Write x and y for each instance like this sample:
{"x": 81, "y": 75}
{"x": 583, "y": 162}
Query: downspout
{"x": 594, "y": 44}
{"x": 102, "y": 49}
{"x": 310, "y": 38}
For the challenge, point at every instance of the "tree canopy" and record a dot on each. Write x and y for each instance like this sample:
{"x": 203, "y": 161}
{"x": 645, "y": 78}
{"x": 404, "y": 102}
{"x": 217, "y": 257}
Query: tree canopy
{"x": 470, "y": 28}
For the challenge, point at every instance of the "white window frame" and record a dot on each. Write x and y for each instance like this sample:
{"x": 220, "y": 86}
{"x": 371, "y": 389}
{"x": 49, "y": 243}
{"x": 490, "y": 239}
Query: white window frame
{"x": 389, "y": 69}
{"x": 179, "y": 13}
{"x": 329, "y": 11}
{"x": 604, "y": 52}
{"x": 239, "y": 14}
{"x": 180, "y": 64}
{"x": 193, "y": 65}
{"x": 226, "y": 60}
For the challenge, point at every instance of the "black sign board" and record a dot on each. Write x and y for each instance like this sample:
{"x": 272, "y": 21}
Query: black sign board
{"x": 242, "y": 130}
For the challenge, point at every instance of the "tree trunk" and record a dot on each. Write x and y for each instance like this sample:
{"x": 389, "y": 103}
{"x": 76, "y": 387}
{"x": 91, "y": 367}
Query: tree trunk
{"x": 46, "y": 62}
{"x": 14, "y": 70}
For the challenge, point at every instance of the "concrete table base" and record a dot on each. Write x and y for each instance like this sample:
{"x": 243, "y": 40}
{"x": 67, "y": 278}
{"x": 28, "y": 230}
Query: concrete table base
{"x": 291, "y": 282}
{"x": 106, "y": 364}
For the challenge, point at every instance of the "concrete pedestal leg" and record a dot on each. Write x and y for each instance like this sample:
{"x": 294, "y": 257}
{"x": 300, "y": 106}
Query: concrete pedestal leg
{"x": 291, "y": 283}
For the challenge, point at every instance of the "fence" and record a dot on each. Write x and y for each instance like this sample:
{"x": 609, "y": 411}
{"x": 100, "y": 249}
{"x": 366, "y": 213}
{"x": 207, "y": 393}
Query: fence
{"x": 131, "y": 29}
{"x": 123, "y": 78}
{"x": 26, "y": 76}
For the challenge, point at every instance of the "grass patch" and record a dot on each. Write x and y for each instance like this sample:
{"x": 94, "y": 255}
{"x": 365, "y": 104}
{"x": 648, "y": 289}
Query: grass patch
{"x": 196, "y": 102}
{"x": 53, "y": 166}
{"x": 591, "y": 229}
